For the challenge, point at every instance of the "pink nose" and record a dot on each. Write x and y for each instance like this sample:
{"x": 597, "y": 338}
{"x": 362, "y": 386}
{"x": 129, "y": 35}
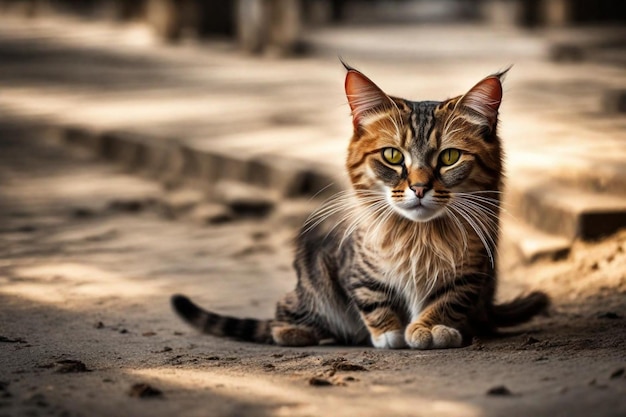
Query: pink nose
{"x": 419, "y": 189}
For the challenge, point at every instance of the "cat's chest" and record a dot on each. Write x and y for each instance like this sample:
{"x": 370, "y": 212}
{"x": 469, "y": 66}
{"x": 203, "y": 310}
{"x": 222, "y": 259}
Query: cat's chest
{"x": 414, "y": 281}
{"x": 422, "y": 268}
{"x": 412, "y": 278}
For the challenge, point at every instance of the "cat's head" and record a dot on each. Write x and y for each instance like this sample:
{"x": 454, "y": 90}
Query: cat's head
{"x": 424, "y": 157}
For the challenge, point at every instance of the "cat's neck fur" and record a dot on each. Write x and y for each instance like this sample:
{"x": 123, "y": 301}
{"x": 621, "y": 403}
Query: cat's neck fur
{"x": 426, "y": 254}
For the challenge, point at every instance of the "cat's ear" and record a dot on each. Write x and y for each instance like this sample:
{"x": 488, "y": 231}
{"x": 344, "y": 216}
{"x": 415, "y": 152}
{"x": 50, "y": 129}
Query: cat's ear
{"x": 485, "y": 97}
{"x": 364, "y": 96}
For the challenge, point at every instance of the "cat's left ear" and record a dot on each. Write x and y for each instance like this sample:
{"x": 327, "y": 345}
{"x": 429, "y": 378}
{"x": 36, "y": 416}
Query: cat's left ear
{"x": 364, "y": 96}
{"x": 485, "y": 97}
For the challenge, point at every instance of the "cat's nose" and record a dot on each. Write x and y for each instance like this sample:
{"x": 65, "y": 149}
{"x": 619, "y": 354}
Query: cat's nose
{"x": 419, "y": 189}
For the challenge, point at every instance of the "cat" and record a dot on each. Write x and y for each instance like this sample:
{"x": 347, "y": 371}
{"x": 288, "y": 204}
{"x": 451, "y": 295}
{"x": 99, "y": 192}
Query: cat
{"x": 410, "y": 260}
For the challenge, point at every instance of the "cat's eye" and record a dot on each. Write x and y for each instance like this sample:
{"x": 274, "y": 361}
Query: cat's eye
{"x": 449, "y": 156}
{"x": 393, "y": 156}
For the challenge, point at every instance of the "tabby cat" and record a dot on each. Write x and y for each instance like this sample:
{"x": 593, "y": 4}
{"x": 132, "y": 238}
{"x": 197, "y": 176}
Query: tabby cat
{"x": 410, "y": 259}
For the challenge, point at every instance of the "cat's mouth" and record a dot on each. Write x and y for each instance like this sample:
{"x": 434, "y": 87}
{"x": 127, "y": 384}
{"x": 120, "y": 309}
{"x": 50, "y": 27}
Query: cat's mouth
{"x": 417, "y": 210}
{"x": 415, "y": 204}
{"x": 420, "y": 208}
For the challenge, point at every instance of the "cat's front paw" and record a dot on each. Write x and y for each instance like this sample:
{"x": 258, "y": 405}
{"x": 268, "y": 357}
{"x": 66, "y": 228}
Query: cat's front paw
{"x": 393, "y": 339}
{"x": 446, "y": 337}
{"x": 439, "y": 336}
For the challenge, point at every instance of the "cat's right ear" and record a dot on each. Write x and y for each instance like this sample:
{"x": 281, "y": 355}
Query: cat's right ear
{"x": 364, "y": 97}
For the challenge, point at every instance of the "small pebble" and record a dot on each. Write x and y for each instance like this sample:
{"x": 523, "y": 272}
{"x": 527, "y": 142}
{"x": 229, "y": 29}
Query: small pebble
{"x": 70, "y": 366}
{"x": 349, "y": 367}
{"x": 127, "y": 205}
{"x": 500, "y": 391}
{"x": 4, "y": 339}
{"x": 82, "y": 213}
{"x": 334, "y": 361}
{"x": 143, "y": 390}
{"x": 609, "y": 315}
{"x": 530, "y": 341}
{"x": 319, "y": 382}
{"x": 477, "y": 346}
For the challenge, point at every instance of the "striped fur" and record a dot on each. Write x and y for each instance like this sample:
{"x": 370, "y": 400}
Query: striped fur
{"x": 408, "y": 257}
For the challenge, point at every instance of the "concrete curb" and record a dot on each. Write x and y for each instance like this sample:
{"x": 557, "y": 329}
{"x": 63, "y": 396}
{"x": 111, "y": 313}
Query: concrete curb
{"x": 561, "y": 209}
{"x": 173, "y": 163}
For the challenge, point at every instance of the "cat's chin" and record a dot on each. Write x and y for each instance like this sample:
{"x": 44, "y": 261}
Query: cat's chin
{"x": 420, "y": 214}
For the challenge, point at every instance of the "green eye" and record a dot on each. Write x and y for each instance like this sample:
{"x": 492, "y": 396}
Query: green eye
{"x": 393, "y": 156}
{"x": 449, "y": 156}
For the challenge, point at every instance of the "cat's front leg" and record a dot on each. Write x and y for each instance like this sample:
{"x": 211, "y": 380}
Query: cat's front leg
{"x": 385, "y": 329}
{"x": 439, "y": 325}
{"x": 374, "y": 302}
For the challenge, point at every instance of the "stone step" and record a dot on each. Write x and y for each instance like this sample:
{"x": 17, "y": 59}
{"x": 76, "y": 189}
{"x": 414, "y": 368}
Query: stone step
{"x": 564, "y": 210}
{"x": 524, "y": 243}
{"x": 175, "y": 162}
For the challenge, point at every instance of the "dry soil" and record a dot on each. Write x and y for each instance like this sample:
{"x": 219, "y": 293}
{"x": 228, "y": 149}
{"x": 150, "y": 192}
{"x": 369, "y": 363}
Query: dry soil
{"x": 89, "y": 256}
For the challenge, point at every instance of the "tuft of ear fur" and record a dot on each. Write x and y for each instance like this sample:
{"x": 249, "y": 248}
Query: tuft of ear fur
{"x": 485, "y": 97}
{"x": 364, "y": 96}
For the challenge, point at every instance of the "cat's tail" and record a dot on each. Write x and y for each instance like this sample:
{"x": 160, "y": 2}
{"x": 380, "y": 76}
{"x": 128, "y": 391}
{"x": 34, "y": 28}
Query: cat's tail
{"x": 249, "y": 330}
{"x": 519, "y": 310}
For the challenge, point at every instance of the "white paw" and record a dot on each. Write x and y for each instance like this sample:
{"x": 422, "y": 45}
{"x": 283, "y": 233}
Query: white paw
{"x": 419, "y": 337}
{"x": 389, "y": 340}
{"x": 445, "y": 337}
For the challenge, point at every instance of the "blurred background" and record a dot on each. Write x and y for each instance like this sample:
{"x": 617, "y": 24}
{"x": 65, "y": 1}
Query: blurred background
{"x": 199, "y": 92}
{"x": 154, "y": 147}
{"x": 283, "y": 25}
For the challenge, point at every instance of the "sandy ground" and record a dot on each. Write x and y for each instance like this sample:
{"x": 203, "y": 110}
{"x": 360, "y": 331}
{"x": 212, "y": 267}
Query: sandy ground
{"x": 89, "y": 256}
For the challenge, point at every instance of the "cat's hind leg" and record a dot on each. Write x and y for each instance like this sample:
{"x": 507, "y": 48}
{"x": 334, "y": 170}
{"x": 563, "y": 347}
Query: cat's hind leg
{"x": 295, "y": 324}
{"x": 288, "y": 334}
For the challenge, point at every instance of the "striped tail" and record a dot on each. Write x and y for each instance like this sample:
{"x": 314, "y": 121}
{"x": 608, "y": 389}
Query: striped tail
{"x": 519, "y": 310}
{"x": 249, "y": 330}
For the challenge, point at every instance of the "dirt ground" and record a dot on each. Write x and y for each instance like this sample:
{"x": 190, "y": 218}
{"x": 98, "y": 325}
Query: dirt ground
{"x": 89, "y": 256}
